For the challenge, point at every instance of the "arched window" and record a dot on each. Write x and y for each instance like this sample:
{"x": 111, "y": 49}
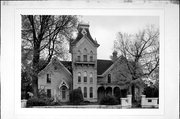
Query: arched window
{"x": 91, "y": 56}
{"x": 85, "y": 77}
{"x": 91, "y": 77}
{"x": 79, "y": 56}
{"x": 109, "y": 78}
{"x": 85, "y": 92}
{"x": 91, "y": 92}
{"x": 85, "y": 55}
{"x": 79, "y": 77}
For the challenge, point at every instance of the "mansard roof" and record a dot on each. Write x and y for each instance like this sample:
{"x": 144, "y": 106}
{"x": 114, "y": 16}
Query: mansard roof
{"x": 80, "y": 34}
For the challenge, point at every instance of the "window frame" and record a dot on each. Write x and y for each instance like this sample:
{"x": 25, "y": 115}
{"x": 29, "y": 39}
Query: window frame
{"x": 79, "y": 77}
{"x": 91, "y": 92}
{"x": 85, "y": 92}
{"x": 85, "y": 77}
{"x": 48, "y": 93}
{"x": 109, "y": 78}
{"x": 91, "y": 77}
{"x": 48, "y": 78}
{"x": 85, "y": 58}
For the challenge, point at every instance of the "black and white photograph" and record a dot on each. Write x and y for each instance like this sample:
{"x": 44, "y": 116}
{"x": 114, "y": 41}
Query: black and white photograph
{"x": 63, "y": 64}
{"x": 90, "y": 59}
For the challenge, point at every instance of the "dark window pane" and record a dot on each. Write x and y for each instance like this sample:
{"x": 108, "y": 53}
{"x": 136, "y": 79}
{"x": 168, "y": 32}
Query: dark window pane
{"x": 79, "y": 79}
{"x": 109, "y": 78}
{"x": 91, "y": 92}
{"x": 85, "y": 79}
{"x": 48, "y": 92}
{"x": 85, "y": 92}
{"x": 48, "y": 78}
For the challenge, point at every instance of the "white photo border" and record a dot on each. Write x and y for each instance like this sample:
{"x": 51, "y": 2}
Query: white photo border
{"x": 98, "y": 12}
{"x": 64, "y": 9}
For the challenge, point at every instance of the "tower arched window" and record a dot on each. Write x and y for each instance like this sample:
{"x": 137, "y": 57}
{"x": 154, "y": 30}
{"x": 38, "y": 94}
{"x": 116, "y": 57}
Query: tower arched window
{"x": 85, "y": 55}
{"x": 79, "y": 56}
{"x": 109, "y": 78}
{"x": 91, "y": 56}
{"x": 85, "y": 77}
{"x": 79, "y": 77}
{"x": 91, "y": 77}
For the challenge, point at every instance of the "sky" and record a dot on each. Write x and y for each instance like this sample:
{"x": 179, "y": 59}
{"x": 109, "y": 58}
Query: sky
{"x": 105, "y": 29}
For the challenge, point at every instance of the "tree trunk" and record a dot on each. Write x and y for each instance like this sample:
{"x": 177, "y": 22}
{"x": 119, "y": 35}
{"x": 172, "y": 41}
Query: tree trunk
{"x": 36, "y": 53}
{"x": 35, "y": 85}
{"x": 133, "y": 93}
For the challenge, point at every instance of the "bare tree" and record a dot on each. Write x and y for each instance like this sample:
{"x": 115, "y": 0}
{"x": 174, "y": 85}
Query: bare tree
{"x": 42, "y": 37}
{"x": 141, "y": 52}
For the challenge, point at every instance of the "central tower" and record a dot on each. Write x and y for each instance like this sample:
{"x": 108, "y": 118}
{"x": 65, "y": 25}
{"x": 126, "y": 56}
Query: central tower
{"x": 84, "y": 63}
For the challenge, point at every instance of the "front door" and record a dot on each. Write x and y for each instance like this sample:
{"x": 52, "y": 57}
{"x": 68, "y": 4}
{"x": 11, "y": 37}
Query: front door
{"x": 63, "y": 94}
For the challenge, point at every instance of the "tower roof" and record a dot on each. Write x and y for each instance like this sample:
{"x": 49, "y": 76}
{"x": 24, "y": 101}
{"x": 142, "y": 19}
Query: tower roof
{"x": 83, "y": 30}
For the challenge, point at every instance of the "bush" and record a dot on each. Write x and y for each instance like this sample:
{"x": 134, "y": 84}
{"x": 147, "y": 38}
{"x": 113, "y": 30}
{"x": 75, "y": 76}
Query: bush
{"x": 41, "y": 100}
{"x": 109, "y": 100}
{"x": 151, "y": 92}
{"x": 36, "y": 102}
{"x": 76, "y": 97}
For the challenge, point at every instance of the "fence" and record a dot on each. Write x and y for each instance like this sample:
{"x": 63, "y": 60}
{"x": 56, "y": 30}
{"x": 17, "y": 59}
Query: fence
{"x": 148, "y": 102}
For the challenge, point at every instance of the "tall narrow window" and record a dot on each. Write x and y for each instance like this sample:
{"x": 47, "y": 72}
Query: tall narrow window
{"x": 85, "y": 77}
{"x": 79, "y": 77}
{"x": 85, "y": 58}
{"x": 91, "y": 56}
{"x": 91, "y": 77}
{"x": 91, "y": 92}
{"x": 49, "y": 93}
{"x": 48, "y": 78}
{"x": 79, "y": 56}
{"x": 85, "y": 55}
{"x": 85, "y": 92}
{"x": 109, "y": 78}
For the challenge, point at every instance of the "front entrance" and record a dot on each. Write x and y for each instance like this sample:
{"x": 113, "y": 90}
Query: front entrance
{"x": 63, "y": 94}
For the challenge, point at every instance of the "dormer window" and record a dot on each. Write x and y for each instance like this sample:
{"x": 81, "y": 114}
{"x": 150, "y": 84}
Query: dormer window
{"x": 109, "y": 78}
{"x": 48, "y": 78}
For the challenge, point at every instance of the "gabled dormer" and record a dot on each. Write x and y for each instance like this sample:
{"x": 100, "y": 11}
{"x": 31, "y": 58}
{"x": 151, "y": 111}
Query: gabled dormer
{"x": 84, "y": 47}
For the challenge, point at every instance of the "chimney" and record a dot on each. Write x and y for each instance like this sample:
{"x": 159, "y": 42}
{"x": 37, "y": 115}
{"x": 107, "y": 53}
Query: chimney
{"x": 114, "y": 58}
